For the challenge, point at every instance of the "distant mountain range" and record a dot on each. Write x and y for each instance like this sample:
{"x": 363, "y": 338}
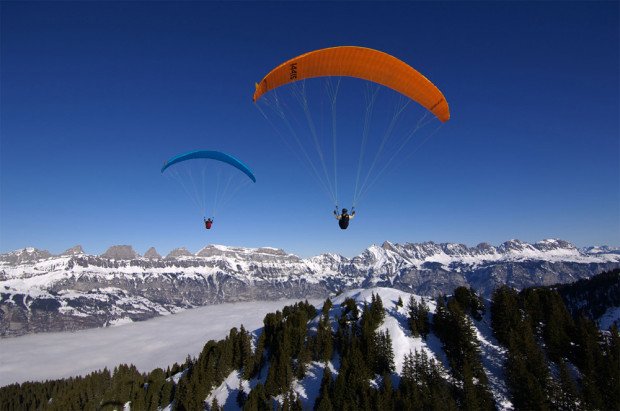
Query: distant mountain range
{"x": 42, "y": 292}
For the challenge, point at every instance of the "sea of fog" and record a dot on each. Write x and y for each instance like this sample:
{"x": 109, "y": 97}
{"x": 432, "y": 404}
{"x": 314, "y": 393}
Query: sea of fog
{"x": 158, "y": 342}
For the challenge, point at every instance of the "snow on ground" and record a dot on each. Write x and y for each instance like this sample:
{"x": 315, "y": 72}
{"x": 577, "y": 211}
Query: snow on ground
{"x": 119, "y": 321}
{"x": 493, "y": 357}
{"x": 159, "y": 342}
{"x": 403, "y": 343}
{"x": 162, "y": 341}
{"x": 228, "y": 390}
{"x": 396, "y": 323}
{"x": 309, "y": 387}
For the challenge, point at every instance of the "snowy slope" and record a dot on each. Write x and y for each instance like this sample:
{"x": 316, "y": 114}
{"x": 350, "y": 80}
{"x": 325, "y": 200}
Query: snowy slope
{"x": 403, "y": 343}
{"x": 160, "y": 342}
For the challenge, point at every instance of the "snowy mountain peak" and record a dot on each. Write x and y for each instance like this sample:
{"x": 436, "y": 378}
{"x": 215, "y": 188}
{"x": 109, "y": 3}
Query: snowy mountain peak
{"x": 216, "y": 250}
{"x": 603, "y": 249}
{"x": 512, "y": 246}
{"x": 388, "y": 246}
{"x": 271, "y": 250}
{"x": 397, "y": 255}
{"x": 25, "y": 251}
{"x": 223, "y": 250}
{"x": 376, "y": 250}
{"x": 331, "y": 257}
{"x": 142, "y": 287}
{"x": 25, "y": 255}
{"x": 75, "y": 250}
{"x": 485, "y": 247}
{"x": 554, "y": 244}
{"x": 455, "y": 249}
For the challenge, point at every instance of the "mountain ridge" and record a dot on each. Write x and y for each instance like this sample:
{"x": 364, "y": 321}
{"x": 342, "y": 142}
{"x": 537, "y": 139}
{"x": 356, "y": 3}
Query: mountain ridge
{"x": 514, "y": 246}
{"x": 42, "y": 292}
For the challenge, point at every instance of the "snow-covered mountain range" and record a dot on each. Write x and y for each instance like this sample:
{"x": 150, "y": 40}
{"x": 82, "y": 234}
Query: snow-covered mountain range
{"x": 74, "y": 290}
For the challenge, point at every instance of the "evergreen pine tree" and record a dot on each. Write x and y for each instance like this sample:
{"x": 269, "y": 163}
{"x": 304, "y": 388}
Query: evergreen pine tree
{"x": 304, "y": 357}
{"x": 338, "y": 397}
{"x": 387, "y": 393}
{"x": 286, "y": 403}
{"x": 241, "y": 396}
{"x": 327, "y": 305}
{"x": 256, "y": 363}
{"x": 589, "y": 360}
{"x": 423, "y": 325}
{"x": 505, "y": 313}
{"x": 385, "y": 354}
{"x": 323, "y": 401}
{"x": 324, "y": 340}
{"x": 526, "y": 370}
{"x": 565, "y": 396}
{"x": 167, "y": 391}
{"x": 470, "y": 394}
{"x": 412, "y": 307}
{"x": 323, "y": 404}
{"x": 612, "y": 369}
{"x": 377, "y": 311}
{"x": 182, "y": 396}
{"x": 245, "y": 351}
{"x": 257, "y": 400}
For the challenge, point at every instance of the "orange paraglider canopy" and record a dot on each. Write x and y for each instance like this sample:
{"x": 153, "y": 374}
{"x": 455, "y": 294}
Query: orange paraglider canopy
{"x": 363, "y": 63}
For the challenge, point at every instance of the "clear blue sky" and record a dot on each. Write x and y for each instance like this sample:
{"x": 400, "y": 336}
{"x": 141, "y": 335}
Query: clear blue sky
{"x": 96, "y": 95}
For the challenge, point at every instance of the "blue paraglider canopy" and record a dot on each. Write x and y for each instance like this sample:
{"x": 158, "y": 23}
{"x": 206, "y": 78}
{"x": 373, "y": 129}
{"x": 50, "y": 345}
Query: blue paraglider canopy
{"x": 213, "y": 155}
